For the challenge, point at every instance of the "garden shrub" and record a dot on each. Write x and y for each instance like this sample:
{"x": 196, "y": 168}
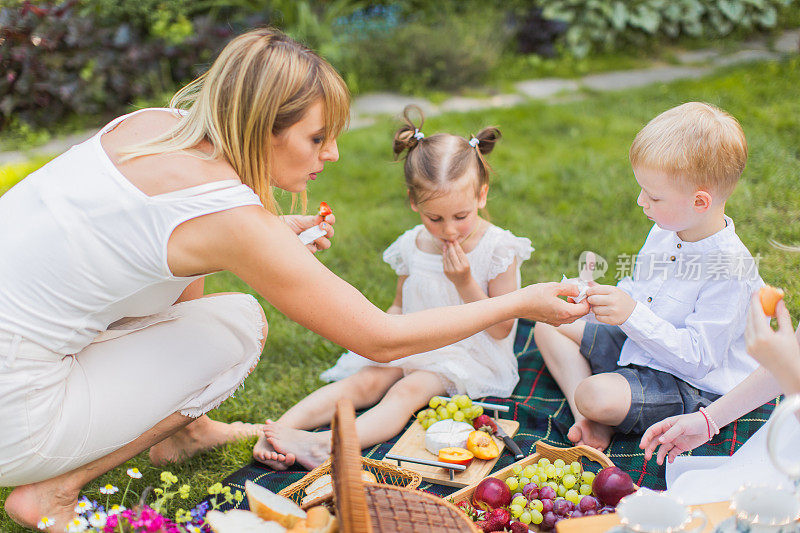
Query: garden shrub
{"x": 64, "y": 58}
{"x": 596, "y": 25}
{"x": 445, "y": 51}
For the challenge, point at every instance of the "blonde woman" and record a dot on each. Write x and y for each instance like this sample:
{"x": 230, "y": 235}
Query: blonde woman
{"x": 128, "y": 223}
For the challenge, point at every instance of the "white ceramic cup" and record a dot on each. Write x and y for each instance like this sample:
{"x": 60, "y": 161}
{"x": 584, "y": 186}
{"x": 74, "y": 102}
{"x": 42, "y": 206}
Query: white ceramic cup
{"x": 647, "y": 511}
{"x": 783, "y": 415}
{"x": 766, "y": 509}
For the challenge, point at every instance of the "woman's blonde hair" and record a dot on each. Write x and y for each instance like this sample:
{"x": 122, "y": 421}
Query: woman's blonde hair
{"x": 433, "y": 163}
{"x": 262, "y": 83}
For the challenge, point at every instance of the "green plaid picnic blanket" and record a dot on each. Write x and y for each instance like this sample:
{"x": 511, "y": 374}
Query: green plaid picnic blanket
{"x": 543, "y": 413}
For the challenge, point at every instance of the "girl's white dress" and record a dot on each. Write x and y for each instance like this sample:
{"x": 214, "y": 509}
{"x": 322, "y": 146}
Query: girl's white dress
{"x": 479, "y": 365}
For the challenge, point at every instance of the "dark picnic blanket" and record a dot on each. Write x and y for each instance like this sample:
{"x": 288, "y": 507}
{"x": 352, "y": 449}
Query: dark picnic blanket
{"x": 542, "y": 411}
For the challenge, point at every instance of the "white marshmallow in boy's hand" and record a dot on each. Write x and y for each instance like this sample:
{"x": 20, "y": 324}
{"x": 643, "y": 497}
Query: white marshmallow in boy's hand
{"x": 582, "y": 287}
{"x": 592, "y": 267}
{"x": 311, "y": 234}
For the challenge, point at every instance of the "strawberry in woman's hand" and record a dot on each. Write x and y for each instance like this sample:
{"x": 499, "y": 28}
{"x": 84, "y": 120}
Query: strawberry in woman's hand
{"x": 324, "y": 210}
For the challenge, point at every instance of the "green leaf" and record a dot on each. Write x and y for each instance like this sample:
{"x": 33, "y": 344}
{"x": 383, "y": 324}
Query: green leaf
{"x": 693, "y": 28}
{"x": 768, "y": 18}
{"x": 619, "y": 16}
{"x": 721, "y": 24}
{"x": 557, "y": 11}
{"x": 646, "y": 19}
{"x": 732, "y": 9}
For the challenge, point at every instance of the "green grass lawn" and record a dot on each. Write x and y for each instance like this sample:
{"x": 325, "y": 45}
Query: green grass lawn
{"x": 562, "y": 179}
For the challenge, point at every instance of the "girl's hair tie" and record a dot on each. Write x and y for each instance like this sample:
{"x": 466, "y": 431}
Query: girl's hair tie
{"x": 418, "y": 135}
{"x": 474, "y": 142}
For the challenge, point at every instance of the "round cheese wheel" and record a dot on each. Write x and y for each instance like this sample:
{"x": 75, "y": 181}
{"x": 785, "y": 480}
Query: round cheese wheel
{"x": 447, "y": 434}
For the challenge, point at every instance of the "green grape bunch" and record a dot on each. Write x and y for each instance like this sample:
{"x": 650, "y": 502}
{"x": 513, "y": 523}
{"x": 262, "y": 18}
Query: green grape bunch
{"x": 459, "y": 408}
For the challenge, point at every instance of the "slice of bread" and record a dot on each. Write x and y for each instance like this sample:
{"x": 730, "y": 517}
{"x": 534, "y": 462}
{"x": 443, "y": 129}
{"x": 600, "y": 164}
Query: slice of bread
{"x": 320, "y": 520}
{"x": 323, "y": 486}
{"x": 269, "y": 506}
{"x": 240, "y": 521}
{"x": 319, "y": 488}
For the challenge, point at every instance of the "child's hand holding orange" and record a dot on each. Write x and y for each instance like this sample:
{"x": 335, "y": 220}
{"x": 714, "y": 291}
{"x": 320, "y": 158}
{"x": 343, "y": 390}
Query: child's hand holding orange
{"x": 777, "y": 351}
{"x": 769, "y": 297}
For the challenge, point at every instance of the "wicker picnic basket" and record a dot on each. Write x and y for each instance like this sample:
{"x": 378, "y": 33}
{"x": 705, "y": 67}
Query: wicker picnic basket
{"x": 575, "y": 453}
{"x": 384, "y": 472}
{"x": 581, "y": 453}
{"x": 377, "y": 507}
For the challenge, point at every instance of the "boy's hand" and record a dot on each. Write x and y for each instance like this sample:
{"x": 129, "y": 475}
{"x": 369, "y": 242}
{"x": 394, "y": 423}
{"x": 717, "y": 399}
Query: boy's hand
{"x": 610, "y": 305}
{"x": 456, "y": 265}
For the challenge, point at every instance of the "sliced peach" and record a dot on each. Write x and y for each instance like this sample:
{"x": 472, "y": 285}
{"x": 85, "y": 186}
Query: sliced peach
{"x": 482, "y": 445}
{"x": 456, "y": 456}
{"x": 769, "y": 296}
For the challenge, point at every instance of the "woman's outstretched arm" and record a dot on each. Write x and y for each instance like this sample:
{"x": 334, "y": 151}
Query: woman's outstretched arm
{"x": 266, "y": 254}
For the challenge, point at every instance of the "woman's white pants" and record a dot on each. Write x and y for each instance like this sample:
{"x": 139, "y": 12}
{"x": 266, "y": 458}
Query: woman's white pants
{"x": 61, "y": 412}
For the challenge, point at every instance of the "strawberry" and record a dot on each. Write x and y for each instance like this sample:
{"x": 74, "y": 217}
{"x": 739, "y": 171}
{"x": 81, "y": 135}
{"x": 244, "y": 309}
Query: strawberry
{"x": 485, "y": 423}
{"x": 495, "y": 520}
{"x": 518, "y": 527}
{"x": 465, "y": 506}
{"x": 324, "y": 210}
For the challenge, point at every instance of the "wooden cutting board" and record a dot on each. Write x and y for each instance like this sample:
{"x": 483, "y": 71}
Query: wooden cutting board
{"x": 716, "y": 512}
{"x": 412, "y": 444}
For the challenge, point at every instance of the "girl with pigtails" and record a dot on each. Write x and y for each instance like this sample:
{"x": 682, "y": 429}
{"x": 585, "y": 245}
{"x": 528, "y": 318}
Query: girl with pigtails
{"x": 454, "y": 256}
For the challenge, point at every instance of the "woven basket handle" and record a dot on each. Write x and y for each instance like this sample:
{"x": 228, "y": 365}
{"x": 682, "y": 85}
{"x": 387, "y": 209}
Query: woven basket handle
{"x": 574, "y": 453}
{"x": 348, "y": 487}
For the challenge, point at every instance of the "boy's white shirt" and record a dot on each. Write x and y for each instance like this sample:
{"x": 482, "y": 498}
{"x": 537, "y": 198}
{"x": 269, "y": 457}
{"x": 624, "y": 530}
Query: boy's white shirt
{"x": 691, "y": 328}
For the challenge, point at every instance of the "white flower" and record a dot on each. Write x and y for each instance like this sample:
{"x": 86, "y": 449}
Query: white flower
{"x": 97, "y": 519}
{"x": 193, "y": 529}
{"x": 84, "y": 506}
{"x": 44, "y": 523}
{"x": 134, "y": 473}
{"x": 108, "y": 489}
{"x": 77, "y": 525}
{"x": 116, "y": 509}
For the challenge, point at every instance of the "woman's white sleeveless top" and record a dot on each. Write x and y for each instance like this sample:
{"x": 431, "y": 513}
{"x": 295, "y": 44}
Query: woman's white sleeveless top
{"x": 81, "y": 247}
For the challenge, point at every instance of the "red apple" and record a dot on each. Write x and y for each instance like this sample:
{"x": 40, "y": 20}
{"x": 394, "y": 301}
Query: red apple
{"x": 491, "y": 493}
{"x": 611, "y": 485}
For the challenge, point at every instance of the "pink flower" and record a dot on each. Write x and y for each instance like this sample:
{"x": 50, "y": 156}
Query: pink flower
{"x": 111, "y": 524}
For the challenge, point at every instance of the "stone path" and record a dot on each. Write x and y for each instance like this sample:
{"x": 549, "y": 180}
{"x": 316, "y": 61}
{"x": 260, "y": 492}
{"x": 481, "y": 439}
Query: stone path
{"x": 367, "y": 108}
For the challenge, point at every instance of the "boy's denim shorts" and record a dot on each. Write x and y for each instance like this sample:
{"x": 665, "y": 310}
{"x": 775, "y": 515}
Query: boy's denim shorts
{"x": 655, "y": 395}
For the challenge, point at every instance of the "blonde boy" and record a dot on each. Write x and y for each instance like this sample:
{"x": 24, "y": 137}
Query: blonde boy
{"x": 669, "y": 339}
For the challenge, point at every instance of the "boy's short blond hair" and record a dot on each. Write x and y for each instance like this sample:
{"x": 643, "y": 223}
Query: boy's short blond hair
{"x": 702, "y": 146}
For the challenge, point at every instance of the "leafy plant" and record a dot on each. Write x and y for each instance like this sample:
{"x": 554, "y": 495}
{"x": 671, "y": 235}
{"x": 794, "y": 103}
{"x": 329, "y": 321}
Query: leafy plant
{"x": 448, "y": 51}
{"x": 66, "y": 58}
{"x": 604, "y": 25}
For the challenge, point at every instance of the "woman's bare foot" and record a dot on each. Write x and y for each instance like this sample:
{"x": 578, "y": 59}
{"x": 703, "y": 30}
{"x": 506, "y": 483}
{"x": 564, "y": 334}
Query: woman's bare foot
{"x": 28, "y": 504}
{"x": 309, "y": 449}
{"x": 590, "y": 433}
{"x": 199, "y": 435}
{"x": 263, "y": 452}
